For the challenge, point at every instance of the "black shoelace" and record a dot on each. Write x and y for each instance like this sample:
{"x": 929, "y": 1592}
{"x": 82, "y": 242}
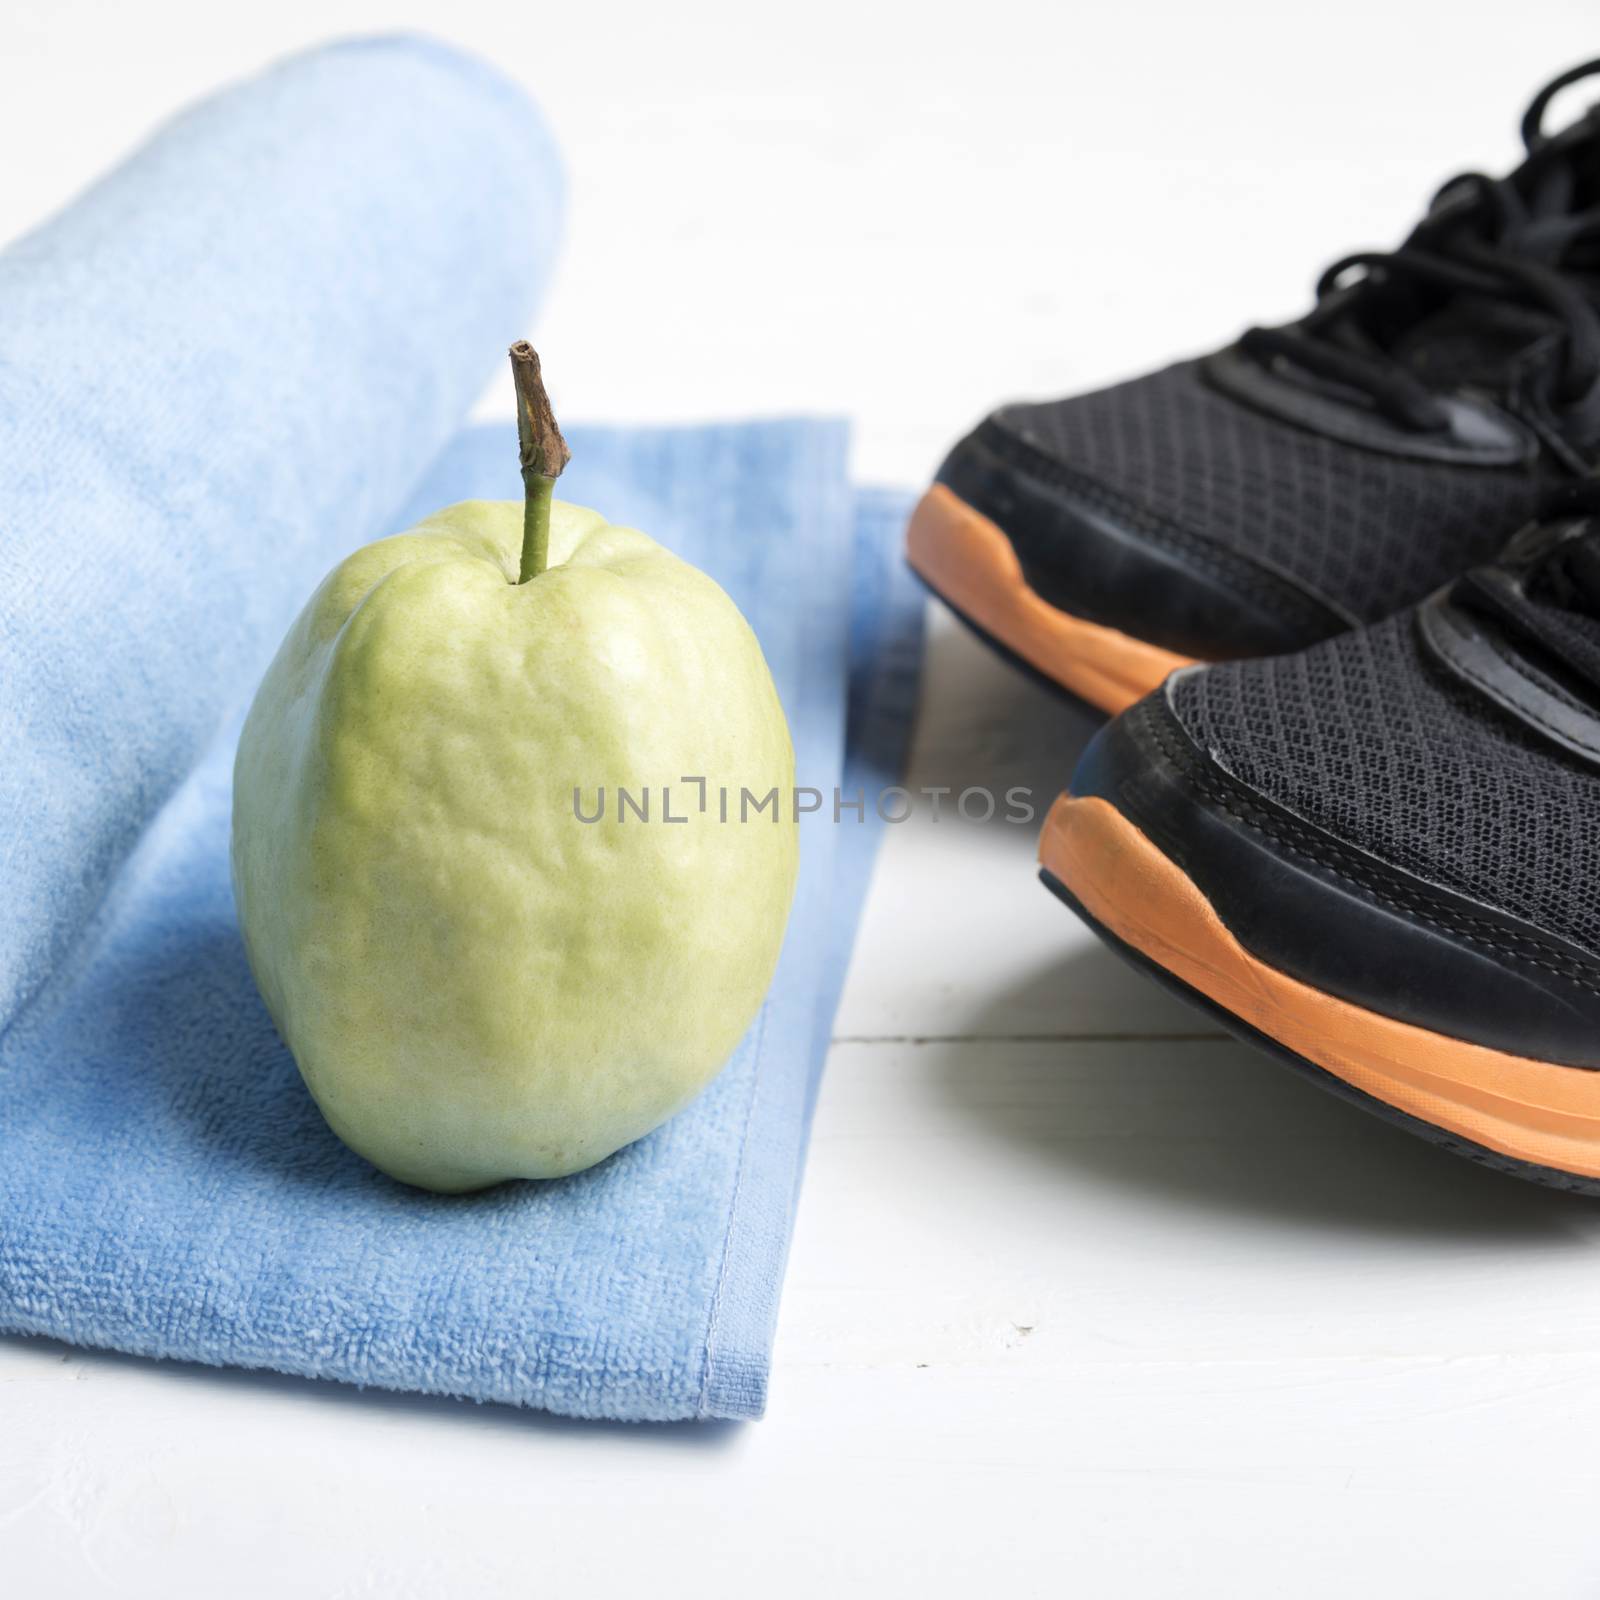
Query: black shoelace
{"x": 1516, "y": 243}
{"x": 1545, "y": 590}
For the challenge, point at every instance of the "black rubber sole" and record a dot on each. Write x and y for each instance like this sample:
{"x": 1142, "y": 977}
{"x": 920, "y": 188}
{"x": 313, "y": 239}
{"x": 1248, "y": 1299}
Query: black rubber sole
{"x": 1529, "y": 1171}
{"x": 1010, "y": 656}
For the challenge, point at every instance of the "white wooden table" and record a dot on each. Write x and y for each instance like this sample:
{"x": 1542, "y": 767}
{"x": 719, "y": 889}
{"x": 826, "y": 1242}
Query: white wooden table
{"x": 1083, "y": 1299}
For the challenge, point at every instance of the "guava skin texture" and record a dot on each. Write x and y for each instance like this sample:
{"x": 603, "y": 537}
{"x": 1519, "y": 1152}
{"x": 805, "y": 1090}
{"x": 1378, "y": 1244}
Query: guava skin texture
{"x": 477, "y": 985}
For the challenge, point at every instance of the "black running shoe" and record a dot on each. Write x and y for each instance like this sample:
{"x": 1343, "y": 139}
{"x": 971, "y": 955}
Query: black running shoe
{"x": 1381, "y": 856}
{"x": 1310, "y": 478}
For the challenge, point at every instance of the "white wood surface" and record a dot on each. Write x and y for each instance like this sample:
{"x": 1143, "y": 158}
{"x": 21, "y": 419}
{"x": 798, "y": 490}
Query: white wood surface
{"x": 1083, "y": 1299}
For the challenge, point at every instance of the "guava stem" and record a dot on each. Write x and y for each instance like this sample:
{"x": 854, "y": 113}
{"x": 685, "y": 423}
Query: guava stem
{"x": 542, "y": 453}
{"x": 537, "y": 493}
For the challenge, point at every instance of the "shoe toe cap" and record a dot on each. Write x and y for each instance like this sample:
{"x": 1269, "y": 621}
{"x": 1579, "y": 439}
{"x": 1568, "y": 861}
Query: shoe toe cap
{"x": 1335, "y": 915}
{"x": 1090, "y": 546}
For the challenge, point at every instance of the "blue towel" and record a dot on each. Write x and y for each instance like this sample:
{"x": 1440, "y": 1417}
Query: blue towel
{"x": 169, "y": 497}
{"x": 220, "y": 368}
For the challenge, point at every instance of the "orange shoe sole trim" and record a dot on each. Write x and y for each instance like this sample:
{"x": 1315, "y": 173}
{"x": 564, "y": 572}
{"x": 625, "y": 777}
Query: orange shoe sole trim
{"x": 1533, "y": 1111}
{"x": 967, "y": 560}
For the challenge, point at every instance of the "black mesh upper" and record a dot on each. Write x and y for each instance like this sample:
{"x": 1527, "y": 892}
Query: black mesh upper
{"x": 1365, "y": 737}
{"x": 1367, "y": 531}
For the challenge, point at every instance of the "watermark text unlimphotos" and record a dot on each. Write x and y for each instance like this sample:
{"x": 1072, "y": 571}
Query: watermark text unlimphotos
{"x": 695, "y": 796}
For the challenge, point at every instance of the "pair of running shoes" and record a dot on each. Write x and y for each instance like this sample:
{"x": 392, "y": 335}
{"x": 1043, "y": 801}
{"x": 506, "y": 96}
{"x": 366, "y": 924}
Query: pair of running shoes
{"x": 1338, "y": 586}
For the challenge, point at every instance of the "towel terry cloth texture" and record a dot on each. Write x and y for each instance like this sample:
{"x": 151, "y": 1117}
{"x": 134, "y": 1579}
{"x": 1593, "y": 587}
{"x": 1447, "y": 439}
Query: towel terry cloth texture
{"x": 244, "y": 352}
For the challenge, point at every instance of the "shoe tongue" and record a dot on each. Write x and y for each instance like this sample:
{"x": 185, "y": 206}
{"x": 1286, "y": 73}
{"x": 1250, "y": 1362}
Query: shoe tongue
{"x": 1568, "y": 627}
{"x": 1471, "y": 339}
{"x": 1555, "y": 606}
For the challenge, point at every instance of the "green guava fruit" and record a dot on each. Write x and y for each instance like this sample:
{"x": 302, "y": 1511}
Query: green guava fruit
{"x": 477, "y": 983}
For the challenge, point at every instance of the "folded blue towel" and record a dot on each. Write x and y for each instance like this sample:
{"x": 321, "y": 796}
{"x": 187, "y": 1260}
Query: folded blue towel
{"x": 166, "y": 1185}
{"x": 220, "y": 368}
